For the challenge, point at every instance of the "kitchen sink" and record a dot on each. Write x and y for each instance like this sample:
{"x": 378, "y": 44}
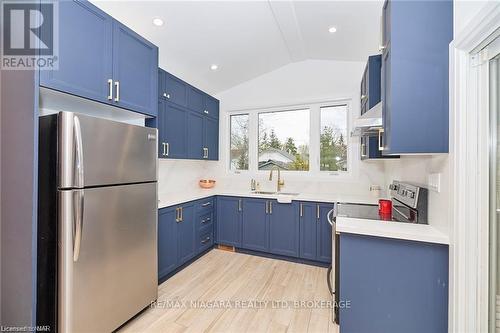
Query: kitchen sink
{"x": 276, "y": 193}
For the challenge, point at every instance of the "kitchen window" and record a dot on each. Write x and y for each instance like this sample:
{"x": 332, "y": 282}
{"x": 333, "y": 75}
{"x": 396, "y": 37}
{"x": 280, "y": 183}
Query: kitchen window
{"x": 239, "y": 142}
{"x": 307, "y": 139}
{"x": 333, "y": 138}
{"x": 284, "y": 140}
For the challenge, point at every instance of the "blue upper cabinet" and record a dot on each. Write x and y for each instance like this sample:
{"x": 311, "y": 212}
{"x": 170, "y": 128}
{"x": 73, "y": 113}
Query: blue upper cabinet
{"x": 283, "y": 229}
{"x": 102, "y": 60}
{"x": 392, "y": 285}
{"x": 85, "y": 52}
{"x": 211, "y": 138}
{"x": 172, "y": 88}
{"x": 196, "y": 135}
{"x": 415, "y": 70}
{"x": 255, "y": 226}
{"x": 370, "y": 84}
{"x": 135, "y": 71}
{"x": 197, "y": 129}
{"x": 196, "y": 100}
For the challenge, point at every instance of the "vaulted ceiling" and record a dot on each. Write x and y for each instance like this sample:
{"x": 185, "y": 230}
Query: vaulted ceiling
{"x": 249, "y": 38}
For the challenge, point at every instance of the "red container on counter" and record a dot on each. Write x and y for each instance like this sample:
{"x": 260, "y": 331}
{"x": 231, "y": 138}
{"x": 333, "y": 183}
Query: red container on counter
{"x": 385, "y": 207}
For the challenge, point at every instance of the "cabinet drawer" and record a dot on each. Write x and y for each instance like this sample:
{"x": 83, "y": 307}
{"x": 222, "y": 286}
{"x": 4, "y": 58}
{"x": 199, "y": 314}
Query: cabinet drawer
{"x": 205, "y": 219}
{"x": 205, "y": 239}
{"x": 205, "y": 205}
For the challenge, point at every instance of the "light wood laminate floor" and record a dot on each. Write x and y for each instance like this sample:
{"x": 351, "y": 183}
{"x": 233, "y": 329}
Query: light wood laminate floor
{"x": 214, "y": 294}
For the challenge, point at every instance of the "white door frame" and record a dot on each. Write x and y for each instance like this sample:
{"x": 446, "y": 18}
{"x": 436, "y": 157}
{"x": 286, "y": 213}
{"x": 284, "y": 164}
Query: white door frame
{"x": 469, "y": 154}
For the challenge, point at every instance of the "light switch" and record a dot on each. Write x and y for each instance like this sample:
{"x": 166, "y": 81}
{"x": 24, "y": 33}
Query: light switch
{"x": 434, "y": 182}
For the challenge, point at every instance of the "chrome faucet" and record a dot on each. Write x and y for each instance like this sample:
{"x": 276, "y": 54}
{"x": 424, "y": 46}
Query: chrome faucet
{"x": 280, "y": 182}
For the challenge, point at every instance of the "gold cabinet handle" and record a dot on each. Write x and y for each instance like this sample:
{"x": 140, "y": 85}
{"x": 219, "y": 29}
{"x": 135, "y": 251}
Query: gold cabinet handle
{"x": 177, "y": 214}
{"x": 110, "y": 89}
{"x": 317, "y": 212}
{"x": 301, "y": 209}
{"x": 270, "y": 207}
{"x": 267, "y": 209}
{"x": 239, "y": 205}
{"x": 380, "y": 144}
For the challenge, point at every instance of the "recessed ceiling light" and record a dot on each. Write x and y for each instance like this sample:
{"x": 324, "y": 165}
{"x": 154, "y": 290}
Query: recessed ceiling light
{"x": 214, "y": 67}
{"x": 332, "y": 30}
{"x": 158, "y": 21}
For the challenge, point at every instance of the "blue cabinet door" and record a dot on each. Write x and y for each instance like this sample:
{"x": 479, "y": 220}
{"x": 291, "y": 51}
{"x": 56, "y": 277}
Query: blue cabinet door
{"x": 284, "y": 228}
{"x": 186, "y": 233}
{"x": 308, "y": 233}
{"x": 175, "y": 90}
{"x": 324, "y": 236}
{"x": 135, "y": 71}
{"x": 196, "y": 135}
{"x": 175, "y": 131}
{"x": 211, "y": 133}
{"x": 392, "y": 285}
{"x": 255, "y": 225}
{"x": 416, "y": 76}
{"x": 229, "y": 221}
{"x": 85, "y": 52}
{"x": 211, "y": 107}
{"x": 167, "y": 241}
{"x": 196, "y": 100}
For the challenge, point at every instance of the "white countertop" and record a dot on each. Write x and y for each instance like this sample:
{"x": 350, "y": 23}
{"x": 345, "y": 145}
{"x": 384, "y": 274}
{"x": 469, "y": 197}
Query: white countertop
{"x": 398, "y": 230}
{"x": 170, "y": 199}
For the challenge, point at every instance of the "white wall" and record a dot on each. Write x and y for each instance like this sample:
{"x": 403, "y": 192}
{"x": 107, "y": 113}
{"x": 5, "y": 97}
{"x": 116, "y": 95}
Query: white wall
{"x": 464, "y": 11}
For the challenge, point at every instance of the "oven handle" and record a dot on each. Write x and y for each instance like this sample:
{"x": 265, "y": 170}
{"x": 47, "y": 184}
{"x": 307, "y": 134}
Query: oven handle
{"x": 401, "y": 213}
{"x": 329, "y": 280}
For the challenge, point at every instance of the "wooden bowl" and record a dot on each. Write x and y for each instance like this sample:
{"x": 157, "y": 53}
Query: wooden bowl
{"x": 206, "y": 183}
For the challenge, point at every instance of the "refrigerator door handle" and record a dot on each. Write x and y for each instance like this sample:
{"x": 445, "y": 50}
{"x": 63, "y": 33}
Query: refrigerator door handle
{"x": 79, "y": 181}
{"x": 78, "y": 222}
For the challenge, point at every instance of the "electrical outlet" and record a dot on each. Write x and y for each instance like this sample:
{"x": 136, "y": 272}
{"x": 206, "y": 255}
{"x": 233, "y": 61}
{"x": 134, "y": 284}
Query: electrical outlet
{"x": 434, "y": 182}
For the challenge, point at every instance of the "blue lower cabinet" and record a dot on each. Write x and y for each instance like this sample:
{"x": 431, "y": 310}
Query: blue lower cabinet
{"x": 229, "y": 221}
{"x": 186, "y": 233}
{"x": 308, "y": 230}
{"x": 324, "y": 233}
{"x": 167, "y": 241}
{"x": 255, "y": 226}
{"x": 283, "y": 228}
{"x": 392, "y": 286}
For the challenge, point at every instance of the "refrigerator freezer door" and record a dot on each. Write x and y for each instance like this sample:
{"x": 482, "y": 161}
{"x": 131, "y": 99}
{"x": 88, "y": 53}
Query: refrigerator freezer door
{"x": 107, "y": 259}
{"x": 96, "y": 152}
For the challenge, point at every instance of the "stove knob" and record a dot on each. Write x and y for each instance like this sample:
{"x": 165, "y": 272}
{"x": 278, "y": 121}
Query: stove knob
{"x": 410, "y": 194}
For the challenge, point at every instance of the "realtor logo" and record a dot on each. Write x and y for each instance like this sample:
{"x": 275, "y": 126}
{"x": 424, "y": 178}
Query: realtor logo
{"x": 29, "y": 35}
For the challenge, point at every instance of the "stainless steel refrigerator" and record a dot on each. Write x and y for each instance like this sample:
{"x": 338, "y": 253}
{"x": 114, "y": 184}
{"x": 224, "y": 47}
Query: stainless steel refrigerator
{"x": 97, "y": 225}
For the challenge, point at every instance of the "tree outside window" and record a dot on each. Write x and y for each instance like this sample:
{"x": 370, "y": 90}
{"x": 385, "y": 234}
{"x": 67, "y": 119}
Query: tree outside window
{"x": 239, "y": 142}
{"x": 284, "y": 140}
{"x": 333, "y": 138}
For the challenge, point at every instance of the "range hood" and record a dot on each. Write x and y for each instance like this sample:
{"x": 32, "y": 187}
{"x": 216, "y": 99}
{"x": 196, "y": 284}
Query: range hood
{"x": 368, "y": 123}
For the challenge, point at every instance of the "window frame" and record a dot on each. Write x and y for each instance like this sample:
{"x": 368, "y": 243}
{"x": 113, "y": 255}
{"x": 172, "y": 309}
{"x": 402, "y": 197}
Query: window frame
{"x": 314, "y": 141}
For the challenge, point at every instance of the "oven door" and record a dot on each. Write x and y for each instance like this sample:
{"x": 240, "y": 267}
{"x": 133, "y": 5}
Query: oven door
{"x": 403, "y": 213}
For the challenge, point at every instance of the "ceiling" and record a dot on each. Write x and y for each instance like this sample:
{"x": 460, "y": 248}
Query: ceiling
{"x": 249, "y": 38}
